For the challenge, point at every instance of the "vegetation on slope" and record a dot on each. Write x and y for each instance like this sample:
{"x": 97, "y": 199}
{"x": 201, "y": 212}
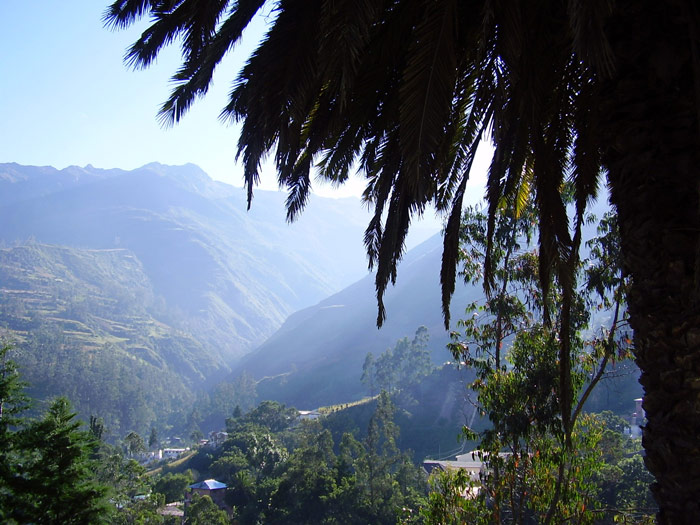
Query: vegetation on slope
{"x": 85, "y": 325}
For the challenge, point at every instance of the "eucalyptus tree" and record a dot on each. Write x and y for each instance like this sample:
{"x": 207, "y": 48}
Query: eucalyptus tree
{"x": 405, "y": 91}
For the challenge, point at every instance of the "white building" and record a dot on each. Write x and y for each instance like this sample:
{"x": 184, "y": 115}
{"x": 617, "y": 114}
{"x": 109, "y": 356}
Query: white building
{"x": 309, "y": 414}
{"x": 173, "y": 453}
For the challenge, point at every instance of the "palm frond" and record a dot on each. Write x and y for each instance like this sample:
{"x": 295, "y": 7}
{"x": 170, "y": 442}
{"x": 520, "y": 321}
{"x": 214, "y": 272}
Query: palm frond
{"x": 587, "y": 19}
{"x": 427, "y": 89}
{"x": 586, "y": 155}
{"x": 299, "y": 185}
{"x": 391, "y": 248}
{"x": 122, "y": 13}
{"x": 195, "y": 76}
{"x": 404, "y": 92}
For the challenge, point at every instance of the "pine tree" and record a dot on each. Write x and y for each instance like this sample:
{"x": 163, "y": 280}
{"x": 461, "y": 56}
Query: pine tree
{"x": 13, "y": 402}
{"x": 55, "y": 484}
{"x": 153, "y": 440}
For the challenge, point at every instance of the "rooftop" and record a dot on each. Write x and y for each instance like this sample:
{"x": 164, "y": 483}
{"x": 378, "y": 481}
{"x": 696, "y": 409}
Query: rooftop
{"x": 209, "y": 484}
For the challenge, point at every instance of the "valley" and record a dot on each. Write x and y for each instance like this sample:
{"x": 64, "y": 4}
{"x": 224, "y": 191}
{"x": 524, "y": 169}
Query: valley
{"x": 150, "y": 286}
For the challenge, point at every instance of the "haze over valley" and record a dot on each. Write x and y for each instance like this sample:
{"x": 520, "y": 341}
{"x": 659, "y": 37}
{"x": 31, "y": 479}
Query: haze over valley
{"x": 151, "y": 285}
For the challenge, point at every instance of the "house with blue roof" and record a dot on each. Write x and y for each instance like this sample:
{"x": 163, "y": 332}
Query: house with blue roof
{"x": 209, "y": 487}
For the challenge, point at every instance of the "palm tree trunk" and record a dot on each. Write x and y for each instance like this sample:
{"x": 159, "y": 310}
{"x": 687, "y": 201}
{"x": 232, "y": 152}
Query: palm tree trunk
{"x": 653, "y": 160}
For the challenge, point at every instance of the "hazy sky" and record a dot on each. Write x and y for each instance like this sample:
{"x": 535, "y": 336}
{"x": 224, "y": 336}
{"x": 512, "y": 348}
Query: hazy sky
{"x": 66, "y": 97}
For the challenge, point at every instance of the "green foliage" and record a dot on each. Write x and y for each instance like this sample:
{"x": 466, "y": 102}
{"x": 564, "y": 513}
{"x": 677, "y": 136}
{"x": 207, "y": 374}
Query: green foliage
{"x": 125, "y": 478}
{"x": 134, "y": 444}
{"x": 298, "y": 474}
{"x": 382, "y": 481}
{"x": 447, "y": 504}
{"x": 143, "y": 511}
{"x": 153, "y": 440}
{"x": 172, "y": 486}
{"x": 97, "y": 427}
{"x": 623, "y": 480}
{"x": 203, "y": 511}
{"x": 535, "y": 371}
{"x": 271, "y": 415}
{"x": 13, "y": 402}
{"x": 56, "y": 474}
{"x": 399, "y": 369}
{"x": 632, "y": 490}
{"x": 431, "y": 414}
{"x": 306, "y": 486}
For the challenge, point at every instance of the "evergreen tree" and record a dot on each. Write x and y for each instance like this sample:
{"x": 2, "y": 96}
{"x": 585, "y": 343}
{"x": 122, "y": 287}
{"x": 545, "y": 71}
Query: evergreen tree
{"x": 13, "y": 402}
{"x": 47, "y": 474}
{"x": 56, "y": 485}
{"x": 153, "y": 440}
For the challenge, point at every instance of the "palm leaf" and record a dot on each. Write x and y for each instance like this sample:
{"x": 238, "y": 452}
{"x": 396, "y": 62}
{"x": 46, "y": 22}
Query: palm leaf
{"x": 427, "y": 89}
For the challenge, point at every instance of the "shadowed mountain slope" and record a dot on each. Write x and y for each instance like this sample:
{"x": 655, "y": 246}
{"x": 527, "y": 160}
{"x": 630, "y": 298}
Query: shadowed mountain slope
{"x": 316, "y": 357}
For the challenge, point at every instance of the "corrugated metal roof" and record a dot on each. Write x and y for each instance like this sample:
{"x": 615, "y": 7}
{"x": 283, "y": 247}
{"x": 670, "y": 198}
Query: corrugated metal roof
{"x": 209, "y": 484}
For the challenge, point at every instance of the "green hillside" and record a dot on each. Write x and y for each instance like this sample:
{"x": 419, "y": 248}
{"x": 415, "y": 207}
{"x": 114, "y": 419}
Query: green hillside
{"x": 232, "y": 276}
{"x": 87, "y": 324}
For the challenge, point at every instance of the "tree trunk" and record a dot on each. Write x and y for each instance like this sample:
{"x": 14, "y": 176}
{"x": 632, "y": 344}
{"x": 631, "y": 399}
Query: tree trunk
{"x": 652, "y": 153}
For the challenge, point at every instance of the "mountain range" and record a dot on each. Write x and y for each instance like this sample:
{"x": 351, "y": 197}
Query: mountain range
{"x": 159, "y": 272}
{"x": 135, "y": 292}
{"x": 232, "y": 276}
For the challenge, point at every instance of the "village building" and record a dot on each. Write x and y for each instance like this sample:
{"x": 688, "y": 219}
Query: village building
{"x": 309, "y": 414}
{"x": 637, "y": 419}
{"x": 172, "y": 453}
{"x": 217, "y": 438}
{"x": 471, "y": 462}
{"x": 172, "y": 510}
{"x": 209, "y": 487}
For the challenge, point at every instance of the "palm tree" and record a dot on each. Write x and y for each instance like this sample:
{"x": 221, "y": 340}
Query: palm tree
{"x": 404, "y": 91}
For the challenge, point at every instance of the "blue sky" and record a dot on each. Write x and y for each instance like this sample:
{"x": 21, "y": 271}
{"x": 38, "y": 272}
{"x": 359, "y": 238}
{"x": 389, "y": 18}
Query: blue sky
{"x": 66, "y": 97}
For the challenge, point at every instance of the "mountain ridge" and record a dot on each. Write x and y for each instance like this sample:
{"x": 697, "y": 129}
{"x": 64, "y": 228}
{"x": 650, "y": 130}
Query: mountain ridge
{"x": 202, "y": 280}
{"x": 197, "y": 243}
{"x": 316, "y": 356}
